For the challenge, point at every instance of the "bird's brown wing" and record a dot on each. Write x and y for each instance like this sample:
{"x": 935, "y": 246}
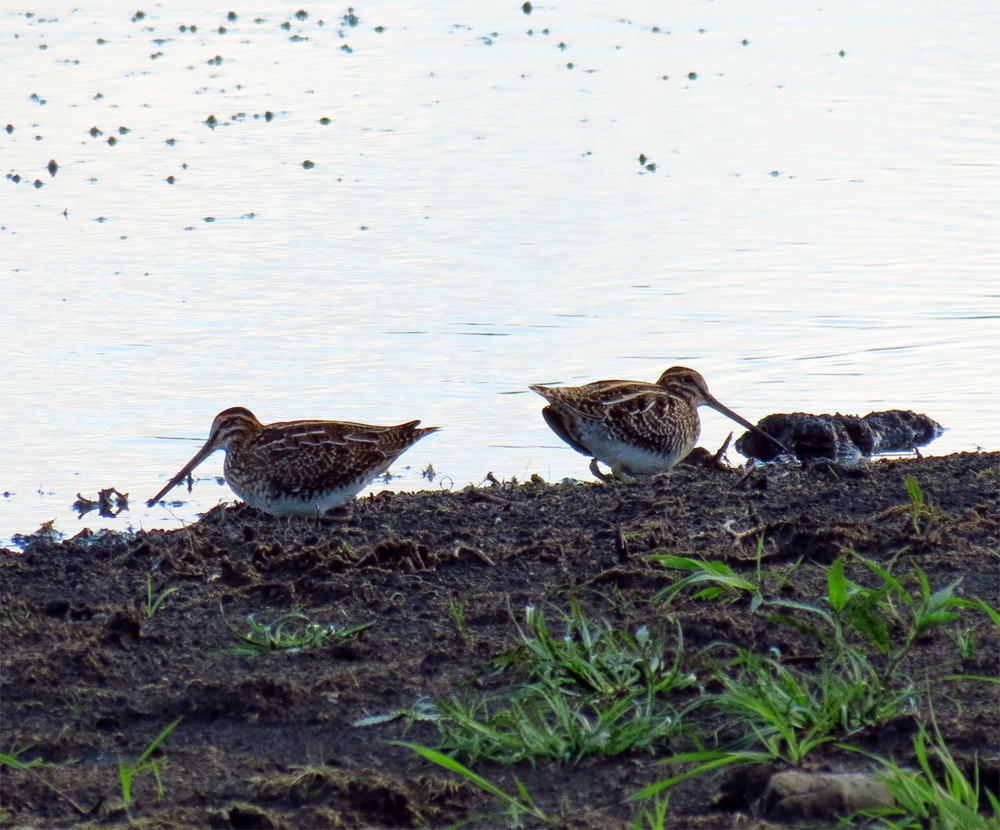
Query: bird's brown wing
{"x": 643, "y": 414}
{"x": 313, "y": 456}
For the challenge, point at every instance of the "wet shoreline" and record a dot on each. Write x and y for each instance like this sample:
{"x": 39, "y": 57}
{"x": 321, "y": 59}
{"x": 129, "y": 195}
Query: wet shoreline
{"x": 89, "y": 675}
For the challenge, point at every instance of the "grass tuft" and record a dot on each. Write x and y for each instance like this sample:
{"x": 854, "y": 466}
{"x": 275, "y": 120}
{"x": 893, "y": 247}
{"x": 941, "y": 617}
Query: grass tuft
{"x": 516, "y": 807}
{"x": 152, "y": 604}
{"x": 595, "y": 690}
{"x": 948, "y": 800}
{"x": 289, "y": 633}
{"x": 144, "y": 763}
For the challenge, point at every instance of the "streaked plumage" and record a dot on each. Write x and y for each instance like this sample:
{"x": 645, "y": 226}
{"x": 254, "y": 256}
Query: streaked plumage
{"x": 300, "y": 468}
{"x": 636, "y": 428}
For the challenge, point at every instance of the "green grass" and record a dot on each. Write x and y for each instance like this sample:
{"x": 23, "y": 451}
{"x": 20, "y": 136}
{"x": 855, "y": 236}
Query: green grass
{"x": 594, "y": 690}
{"x": 457, "y": 609}
{"x": 127, "y": 771}
{"x": 574, "y": 687}
{"x": 653, "y": 817}
{"x": 153, "y": 603}
{"x": 777, "y": 710}
{"x": 516, "y": 807}
{"x": 722, "y": 583}
{"x": 288, "y": 633}
{"x": 544, "y": 721}
{"x": 966, "y": 639}
{"x": 947, "y": 800}
{"x": 144, "y": 763}
{"x": 594, "y": 657}
{"x": 789, "y": 712}
{"x": 853, "y": 621}
{"x": 916, "y": 501}
{"x": 11, "y": 759}
{"x": 863, "y": 635}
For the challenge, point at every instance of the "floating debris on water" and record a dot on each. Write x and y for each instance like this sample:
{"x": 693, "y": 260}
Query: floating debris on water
{"x": 109, "y": 503}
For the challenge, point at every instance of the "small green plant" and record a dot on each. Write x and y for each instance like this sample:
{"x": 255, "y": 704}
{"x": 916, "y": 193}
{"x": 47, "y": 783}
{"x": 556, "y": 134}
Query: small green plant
{"x": 457, "y": 609}
{"x": 595, "y": 658}
{"x": 722, "y": 581}
{"x": 152, "y": 604}
{"x": 545, "y": 721}
{"x": 778, "y": 710}
{"x": 516, "y": 807}
{"x": 74, "y": 702}
{"x": 916, "y": 501}
{"x": 423, "y": 709}
{"x": 10, "y": 759}
{"x": 789, "y": 711}
{"x": 872, "y": 614}
{"x": 128, "y": 771}
{"x": 965, "y": 639}
{"x": 924, "y": 801}
{"x": 596, "y": 690}
{"x": 290, "y": 632}
{"x": 653, "y": 817}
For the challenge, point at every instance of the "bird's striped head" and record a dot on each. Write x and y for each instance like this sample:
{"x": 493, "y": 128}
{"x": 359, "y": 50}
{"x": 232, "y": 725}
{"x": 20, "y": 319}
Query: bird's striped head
{"x": 690, "y": 386}
{"x": 687, "y": 384}
{"x": 232, "y": 426}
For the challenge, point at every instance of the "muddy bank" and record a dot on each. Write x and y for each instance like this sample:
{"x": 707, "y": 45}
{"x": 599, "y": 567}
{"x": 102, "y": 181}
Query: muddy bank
{"x": 269, "y": 741}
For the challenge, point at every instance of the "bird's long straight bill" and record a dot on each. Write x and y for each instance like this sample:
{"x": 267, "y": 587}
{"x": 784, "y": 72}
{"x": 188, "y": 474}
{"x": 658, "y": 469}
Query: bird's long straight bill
{"x": 203, "y": 453}
{"x": 743, "y": 422}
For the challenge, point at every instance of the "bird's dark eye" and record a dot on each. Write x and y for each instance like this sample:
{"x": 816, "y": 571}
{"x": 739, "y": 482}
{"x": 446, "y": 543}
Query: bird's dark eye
{"x": 688, "y": 379}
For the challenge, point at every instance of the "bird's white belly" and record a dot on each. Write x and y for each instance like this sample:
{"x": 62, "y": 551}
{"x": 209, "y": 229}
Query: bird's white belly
{"x": 629, "y": 458}
{"x": 300, "y": 506}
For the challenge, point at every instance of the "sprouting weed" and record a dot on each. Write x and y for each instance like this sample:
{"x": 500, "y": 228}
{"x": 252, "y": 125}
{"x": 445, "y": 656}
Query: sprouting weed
{"x": 289, "y": 633}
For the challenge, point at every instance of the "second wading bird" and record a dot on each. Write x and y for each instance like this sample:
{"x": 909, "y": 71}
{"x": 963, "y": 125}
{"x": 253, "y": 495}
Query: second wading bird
{"x": 636, "y": 428}
{"x": 299, "y": 468}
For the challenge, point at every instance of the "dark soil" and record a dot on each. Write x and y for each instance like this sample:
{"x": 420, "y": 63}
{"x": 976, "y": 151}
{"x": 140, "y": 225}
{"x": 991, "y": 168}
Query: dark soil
{"x": 268, "y": 741}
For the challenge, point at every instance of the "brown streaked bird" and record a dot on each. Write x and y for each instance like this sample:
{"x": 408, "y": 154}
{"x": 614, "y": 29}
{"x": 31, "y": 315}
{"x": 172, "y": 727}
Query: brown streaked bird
{"x": 636, "y": 428}
{"x": 300, "y": 468}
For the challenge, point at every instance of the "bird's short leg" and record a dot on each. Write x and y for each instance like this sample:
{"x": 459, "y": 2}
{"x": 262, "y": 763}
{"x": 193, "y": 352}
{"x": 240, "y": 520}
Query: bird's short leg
{"x": 620, "y": 477}
{"x": 605, "y": 477}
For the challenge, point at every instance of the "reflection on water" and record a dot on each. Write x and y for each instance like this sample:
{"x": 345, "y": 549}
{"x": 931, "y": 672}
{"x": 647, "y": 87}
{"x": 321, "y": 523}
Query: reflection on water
{"x": 810, "y": 226}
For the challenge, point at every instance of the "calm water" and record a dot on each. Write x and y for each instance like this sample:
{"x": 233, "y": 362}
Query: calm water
{"x": 818, "y": 233}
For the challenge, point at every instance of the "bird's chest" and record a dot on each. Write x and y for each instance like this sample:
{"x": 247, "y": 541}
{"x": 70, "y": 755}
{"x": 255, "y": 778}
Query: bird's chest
{"x": 644, "y": 441}
{"x": 288, "y": 486}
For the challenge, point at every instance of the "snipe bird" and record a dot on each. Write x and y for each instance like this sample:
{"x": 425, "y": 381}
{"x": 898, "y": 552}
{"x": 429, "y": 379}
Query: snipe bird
{"x": 299, "y": 468}
{"x": 636, "y": 428}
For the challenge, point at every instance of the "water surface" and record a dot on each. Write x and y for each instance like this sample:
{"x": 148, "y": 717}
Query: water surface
{"x": 817, "y": 233}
